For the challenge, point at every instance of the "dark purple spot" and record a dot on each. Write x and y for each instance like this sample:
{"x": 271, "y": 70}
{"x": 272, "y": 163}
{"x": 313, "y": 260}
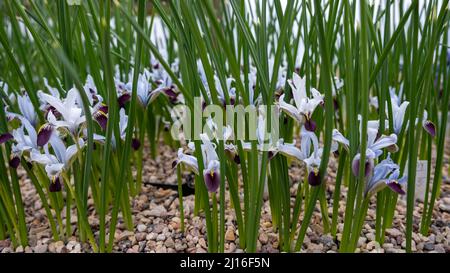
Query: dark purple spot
{"x": 104, "y": 108}
{"x": 52, "y": 109}
{"x": 135, "y": 143}
{"x": 310, "y": 125}
{"x": 166, "y": 127}
{"x": 336, "y": 153}
{"x": 232, "y": 100}
{"x": 203, "y": 105}
{"x": 123, "y": 99}
{"x": 55, "y": 185}
{"x": 212, "y": 181}
{"x": 101, "y": 119}
{"x": 174, "y": 164}
{"x": 430, "y": 128}
{"x": 14, "y": 162}
{"x": 237, "y": 159}
{"x": 336, "y": 104}
{"x": 395, "y": 186}
{"x": 170, "y": 92}
{"x": 355, "y": 167}
{"x": 44, "y": 134}
{"x": 5, "y": 137}
{"x": 314, "y": 179}
{"x": 367, "y": 168}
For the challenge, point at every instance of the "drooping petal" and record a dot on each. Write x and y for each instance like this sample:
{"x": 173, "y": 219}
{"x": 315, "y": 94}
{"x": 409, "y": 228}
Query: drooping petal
{"x": 44, "y": 134}
{"x": 212, "y": 181}
{"x": 339, "y": 138}
{"x": 136, "y": 144}
{"x": 188, "y": 161}
{"x": 123, "y": 99}
{"x": 289, "y": 150}
{"x": 314, "y": 178}
{"x": 289, "y": 109}
{"x": 367, "y": 168}
{"x": 5, "y": 137}
{"x": 395, "y": 186}
{"x": 430, "y": 128}
{"x": 310, "y": 125}
{"x": 101, "y": 118}
{"x": 14, "y": 162}
{"x": 383, "y": 142}
{"x": 55, "y": 185}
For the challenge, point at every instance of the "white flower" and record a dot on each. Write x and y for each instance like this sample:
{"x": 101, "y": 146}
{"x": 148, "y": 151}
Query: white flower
{"x": 304, "y": 106}
{"x": 61, "y": 160}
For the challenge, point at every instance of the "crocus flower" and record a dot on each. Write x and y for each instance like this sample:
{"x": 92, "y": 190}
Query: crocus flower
{"x": 304, "y": 106}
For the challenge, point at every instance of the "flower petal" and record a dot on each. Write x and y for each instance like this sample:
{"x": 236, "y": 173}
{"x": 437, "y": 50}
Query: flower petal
{"x": 395, "y": 186}
{"x": 212, "y": 180}
{"x": 14, "y": 162}
{"x": 5, "y": 137}
{"x": 55, "y": 185}
{"x": 430, "y": 128}
{"x": 314, "y": 178}
{"x": 44, "y": 134}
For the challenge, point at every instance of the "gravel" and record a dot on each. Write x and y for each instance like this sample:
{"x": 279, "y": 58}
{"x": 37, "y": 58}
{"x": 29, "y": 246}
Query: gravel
{"x": 157, "y": 222}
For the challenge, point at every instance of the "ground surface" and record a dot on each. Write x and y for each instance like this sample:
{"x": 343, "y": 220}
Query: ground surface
{"x": 157, "y": 222}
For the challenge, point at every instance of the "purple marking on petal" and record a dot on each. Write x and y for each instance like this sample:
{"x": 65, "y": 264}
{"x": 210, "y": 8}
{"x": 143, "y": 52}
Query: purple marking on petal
{"x": 203, "y": 105}
{"x": 314, "y": 179}
{"x": 123, "y": 99}
{"x": 395, "y": 186}
{"x": 336, "y": 153}
{"x": 335, "y": 104}
{"x": 368, "y": 168}
{"x": 101, "y": 119}
{"x": 310, "y": 125}
{"x": 174, "y": 164}
{"x": 55, "y": 185}
{"x": 166, "y": 127}
{"x": 212, "y": 181}
{"x": 170, "y": 93}
{"x": 52, "y": 109}
{"x": 355, "y": 167}
{"x": 237, "y": 159}
{"x": 271, "y": 155}
{"x": 95, "y": 99}
{"x": 14, "y": 162}
{"x": 135, "y": 143}
{"x": 5, "y": 137}
{"x": 430, "y": 128}
{"x": 44, "y": 134}
{"x": 104, "y": 108}
{"x": 232, "y": 100}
